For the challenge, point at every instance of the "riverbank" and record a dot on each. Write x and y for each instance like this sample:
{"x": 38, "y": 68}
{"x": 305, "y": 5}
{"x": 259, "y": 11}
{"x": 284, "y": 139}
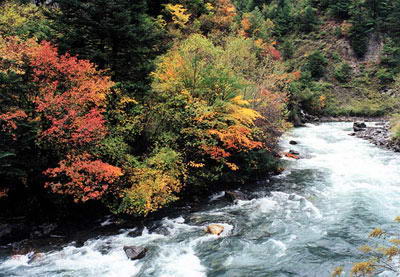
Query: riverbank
{"x": 306, "y": 221}
{"x": 377, "y": 133}
{"x": 20, "y": 237}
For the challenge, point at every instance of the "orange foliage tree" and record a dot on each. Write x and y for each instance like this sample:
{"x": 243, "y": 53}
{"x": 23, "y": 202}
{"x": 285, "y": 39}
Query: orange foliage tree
{"x": 64, "y": 99}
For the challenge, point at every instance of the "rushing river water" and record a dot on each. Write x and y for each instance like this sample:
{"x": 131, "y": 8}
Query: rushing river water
{"x": 314, "y": 218}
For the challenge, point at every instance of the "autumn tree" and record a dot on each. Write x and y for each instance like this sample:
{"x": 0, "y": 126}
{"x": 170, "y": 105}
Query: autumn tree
{"x": 24, "y": 20}
{"x": 204, "y": 96}
{"x": 59, "y": 103}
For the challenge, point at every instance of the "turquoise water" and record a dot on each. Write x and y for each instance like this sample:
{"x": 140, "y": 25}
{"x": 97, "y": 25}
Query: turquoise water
{"x": 305, "y": 222}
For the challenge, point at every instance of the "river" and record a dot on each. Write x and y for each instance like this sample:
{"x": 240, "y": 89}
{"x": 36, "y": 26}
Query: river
{"x": 305, "y": 222}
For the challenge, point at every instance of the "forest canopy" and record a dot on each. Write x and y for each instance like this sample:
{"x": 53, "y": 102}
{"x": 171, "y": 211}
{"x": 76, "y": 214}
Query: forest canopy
{"x": 135, "y": 104}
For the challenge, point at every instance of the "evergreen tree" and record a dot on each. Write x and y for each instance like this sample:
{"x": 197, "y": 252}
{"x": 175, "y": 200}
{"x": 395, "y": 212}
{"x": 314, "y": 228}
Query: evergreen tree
{"x": 359, "y": 32}
{"x": 316, "y": 64}
{"x": 308, "y": 20}
{"x": 340, "y": 8}
{"x": 282, "y": 17}
{"x": 115, "y": 34}
{"x": 392, "y": 22}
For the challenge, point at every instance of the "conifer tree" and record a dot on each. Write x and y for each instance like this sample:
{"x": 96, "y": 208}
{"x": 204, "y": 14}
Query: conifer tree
{"x": 115, "y": 34}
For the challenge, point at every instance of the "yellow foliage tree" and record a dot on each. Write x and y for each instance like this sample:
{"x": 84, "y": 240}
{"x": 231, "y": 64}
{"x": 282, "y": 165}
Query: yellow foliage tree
{"x": 383, "y": 256}
{"x": 179, "y": 14}
{"x": 23, "y": 20}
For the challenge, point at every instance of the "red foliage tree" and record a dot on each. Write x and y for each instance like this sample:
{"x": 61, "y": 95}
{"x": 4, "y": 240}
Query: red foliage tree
{"x": 71, "y": 96}
{"x": 88, "y": 178}
{"x": 66, "y": 99}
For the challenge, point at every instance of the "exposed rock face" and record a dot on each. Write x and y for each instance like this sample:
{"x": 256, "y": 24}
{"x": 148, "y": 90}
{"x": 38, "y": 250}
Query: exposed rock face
{"x": 234, "y": 196}
{"x": 135, "y": 252}
{"x": 215, "y": 229}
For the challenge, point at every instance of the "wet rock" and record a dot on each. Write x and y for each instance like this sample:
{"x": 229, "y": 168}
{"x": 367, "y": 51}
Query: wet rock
{"x": 11, "y": 232}
{"x": 35, "y": 257}
{"x": 137, "y": 232}
{"x": 135, "y": 252}
{"x": 43, "y": 230}
{"x": 233, "y": 196}
{"x": 293, "y": 142}
{"x": 215, "y": 229}
{"x": 352, "y": 134}
{"x": 160, "y": 230}
{"x": 359, "y": 126}
{"x": 380, "y": 136}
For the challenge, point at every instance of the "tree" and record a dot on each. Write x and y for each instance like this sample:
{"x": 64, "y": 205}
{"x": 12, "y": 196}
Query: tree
{"x": 55, "y": 104}
{"x": 382, "y": 256}
{"x": 316, "y": 63}
{"x": 24, "y": 20}
{"x": 340, "y": 8}
{"x": 359, "y": 33}
{"x": 124, "y": 38}
{"x": 308, "y": 20}
{"x": 391, "y": 24}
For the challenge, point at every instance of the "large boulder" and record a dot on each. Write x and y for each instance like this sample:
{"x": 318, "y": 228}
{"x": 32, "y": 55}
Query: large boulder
{"x": 234, "y": 196}
{"x": 215, "y": 229}
{"x": 359, "y": 126}
{"x": 135, "y": 252}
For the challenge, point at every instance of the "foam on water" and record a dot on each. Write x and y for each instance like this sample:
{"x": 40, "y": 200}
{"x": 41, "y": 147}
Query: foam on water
{"x": 319, "y": 211}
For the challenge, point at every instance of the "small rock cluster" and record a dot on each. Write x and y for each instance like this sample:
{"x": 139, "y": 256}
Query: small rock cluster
{"x": 378, "y": 135}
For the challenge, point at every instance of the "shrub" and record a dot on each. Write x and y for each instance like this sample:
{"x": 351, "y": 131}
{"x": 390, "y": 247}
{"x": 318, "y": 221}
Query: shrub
{"x": 316, "y": 64}
{"x": 343, "y": 73}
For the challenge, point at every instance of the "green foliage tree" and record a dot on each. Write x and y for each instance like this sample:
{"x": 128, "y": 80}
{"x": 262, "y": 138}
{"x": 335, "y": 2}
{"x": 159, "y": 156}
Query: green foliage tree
{"x": 308, "y": 20}
{"x": 281, "y": 14}
{"x": 391, "y": 24}
{"x": 124, "y": 39}
{"x": 343, "y": 72}
{"x": 339, "y": 9}
{"x": 359, "y": 32}
{"x": 316, "y": 64}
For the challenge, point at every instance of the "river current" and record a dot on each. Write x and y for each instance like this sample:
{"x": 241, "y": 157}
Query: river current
{"x": 305, "y": 222}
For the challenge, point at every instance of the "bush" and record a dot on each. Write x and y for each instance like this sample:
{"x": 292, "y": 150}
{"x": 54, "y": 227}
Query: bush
{"x": 395, "y": 126}
{"x": 385, "y": 76}
{"x": 343, "y": 73}
{"x": 316, "y": 64}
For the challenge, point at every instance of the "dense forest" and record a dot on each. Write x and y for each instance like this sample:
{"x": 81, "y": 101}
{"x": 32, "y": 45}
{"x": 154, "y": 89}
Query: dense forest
{"x": 131, "y": 105}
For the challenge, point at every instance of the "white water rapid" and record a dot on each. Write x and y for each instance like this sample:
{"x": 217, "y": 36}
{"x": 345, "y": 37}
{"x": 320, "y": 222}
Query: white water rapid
{"x": 306, "y": 222}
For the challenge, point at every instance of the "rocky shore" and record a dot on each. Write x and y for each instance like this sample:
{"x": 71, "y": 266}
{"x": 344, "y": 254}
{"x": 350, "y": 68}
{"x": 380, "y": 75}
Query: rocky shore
{"x": 377, "y": 133}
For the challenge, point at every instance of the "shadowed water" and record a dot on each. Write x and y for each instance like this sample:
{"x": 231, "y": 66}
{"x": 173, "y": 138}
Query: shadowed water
{"x": 317, "y": 214}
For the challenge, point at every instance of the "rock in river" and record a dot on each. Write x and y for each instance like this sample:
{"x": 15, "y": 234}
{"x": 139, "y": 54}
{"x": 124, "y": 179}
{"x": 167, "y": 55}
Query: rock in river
{"x": 234, "y": 196}
{"x": 215, "y": 229}
{"x": 135, "y": 252}
{"x": 359, "y": 126}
